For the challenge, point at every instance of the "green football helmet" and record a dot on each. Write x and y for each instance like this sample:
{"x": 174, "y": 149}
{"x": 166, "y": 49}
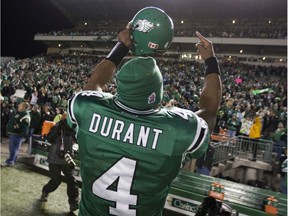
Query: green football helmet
{"x": 152, "y": 31}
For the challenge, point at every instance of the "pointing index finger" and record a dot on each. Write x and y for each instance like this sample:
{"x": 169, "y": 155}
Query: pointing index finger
{"x": 201, "y": 38}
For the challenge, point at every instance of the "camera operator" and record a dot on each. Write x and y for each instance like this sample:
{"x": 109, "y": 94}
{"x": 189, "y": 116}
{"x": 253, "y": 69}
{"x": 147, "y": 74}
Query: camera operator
{"x": 61, "y": 137}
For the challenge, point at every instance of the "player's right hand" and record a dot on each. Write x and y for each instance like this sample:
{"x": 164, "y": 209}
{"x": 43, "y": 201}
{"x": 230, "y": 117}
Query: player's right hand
{"x": 125, "y": 37}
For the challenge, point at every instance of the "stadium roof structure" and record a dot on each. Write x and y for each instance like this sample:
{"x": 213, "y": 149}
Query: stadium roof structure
{"x": 79, "y": 13}
{"x": 96, "y": 10}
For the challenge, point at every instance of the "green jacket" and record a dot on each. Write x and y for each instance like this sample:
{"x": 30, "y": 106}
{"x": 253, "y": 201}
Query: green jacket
{"x": 278, "y": 133}
{"x": 19, "y": 124}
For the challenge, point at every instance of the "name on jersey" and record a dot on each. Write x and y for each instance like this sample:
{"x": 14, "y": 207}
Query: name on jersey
{"x": 125, "y": 132}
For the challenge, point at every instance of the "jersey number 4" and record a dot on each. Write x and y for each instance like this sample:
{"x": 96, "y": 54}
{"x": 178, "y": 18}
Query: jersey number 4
{"x": 122, "y": 173}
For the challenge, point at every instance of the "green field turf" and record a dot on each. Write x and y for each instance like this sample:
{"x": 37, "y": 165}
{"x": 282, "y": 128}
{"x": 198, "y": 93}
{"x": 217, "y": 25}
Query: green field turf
{"x": 22, "y": 184}
{"x": 21, "y": 189}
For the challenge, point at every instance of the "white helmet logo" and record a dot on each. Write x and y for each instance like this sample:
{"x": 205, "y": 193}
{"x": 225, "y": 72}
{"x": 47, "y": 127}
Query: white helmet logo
{"x": 144, "y": 26}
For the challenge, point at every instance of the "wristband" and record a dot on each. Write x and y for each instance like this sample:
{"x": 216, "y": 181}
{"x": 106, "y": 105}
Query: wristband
{"x": 212, "y": 66}
{"x": 118, "y": 52}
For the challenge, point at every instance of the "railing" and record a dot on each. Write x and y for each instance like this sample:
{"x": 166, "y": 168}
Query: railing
{"x": 242, "y": 147}
{"x": 224, "y": 149}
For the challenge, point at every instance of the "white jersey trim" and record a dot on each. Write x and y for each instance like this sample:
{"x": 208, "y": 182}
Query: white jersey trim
{"x": 134, "y": 111}
{"x": 200, "y": 136}
{"x": 71, "y": 102}
{"x": 71, "y": 108}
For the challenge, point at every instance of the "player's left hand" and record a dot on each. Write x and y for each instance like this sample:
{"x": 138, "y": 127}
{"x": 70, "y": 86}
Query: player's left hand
{"x": 205, "y": 47}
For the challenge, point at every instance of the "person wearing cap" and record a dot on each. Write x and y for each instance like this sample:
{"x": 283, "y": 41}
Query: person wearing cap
{"x": 17, "y": 129}
{"x": 131, "y": 149}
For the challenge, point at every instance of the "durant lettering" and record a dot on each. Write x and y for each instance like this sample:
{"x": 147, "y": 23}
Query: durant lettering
{"x": 125, "y": 132}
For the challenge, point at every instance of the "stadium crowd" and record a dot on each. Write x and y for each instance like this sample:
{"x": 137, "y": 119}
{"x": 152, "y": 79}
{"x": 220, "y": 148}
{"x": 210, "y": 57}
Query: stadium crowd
{"x": 264, "y": 28}
{"x": 49, "y": 81}
{"x": 248, "y": 91}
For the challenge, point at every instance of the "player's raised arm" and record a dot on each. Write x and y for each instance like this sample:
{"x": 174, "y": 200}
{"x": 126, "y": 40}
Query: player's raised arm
{"x": 212, "y": 90}
{"x": 103, "y": 72}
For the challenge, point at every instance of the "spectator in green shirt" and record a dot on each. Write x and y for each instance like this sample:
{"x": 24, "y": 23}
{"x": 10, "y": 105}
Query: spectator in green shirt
{"x": 233, "y": 125}
{"x": 279, "y": 144}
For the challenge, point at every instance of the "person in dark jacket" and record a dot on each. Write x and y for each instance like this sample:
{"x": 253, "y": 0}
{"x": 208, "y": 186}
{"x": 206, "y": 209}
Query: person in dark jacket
{"x": 7, "y": 111}
{"x": 61, "y": 137}
{"x": 46, "y": 115}
{"x": 282, "y": 172}
{"x": 35, "y": 126}
{"x": 17, "y": 129}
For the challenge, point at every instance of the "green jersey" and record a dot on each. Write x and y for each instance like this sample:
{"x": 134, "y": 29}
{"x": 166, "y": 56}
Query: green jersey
{"x": 19, "y": 123}
{"x": 129, "y": 157}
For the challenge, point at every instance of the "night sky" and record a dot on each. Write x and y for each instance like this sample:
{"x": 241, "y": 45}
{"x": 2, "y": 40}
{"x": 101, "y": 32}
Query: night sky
{"x": 21, "y": 20}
